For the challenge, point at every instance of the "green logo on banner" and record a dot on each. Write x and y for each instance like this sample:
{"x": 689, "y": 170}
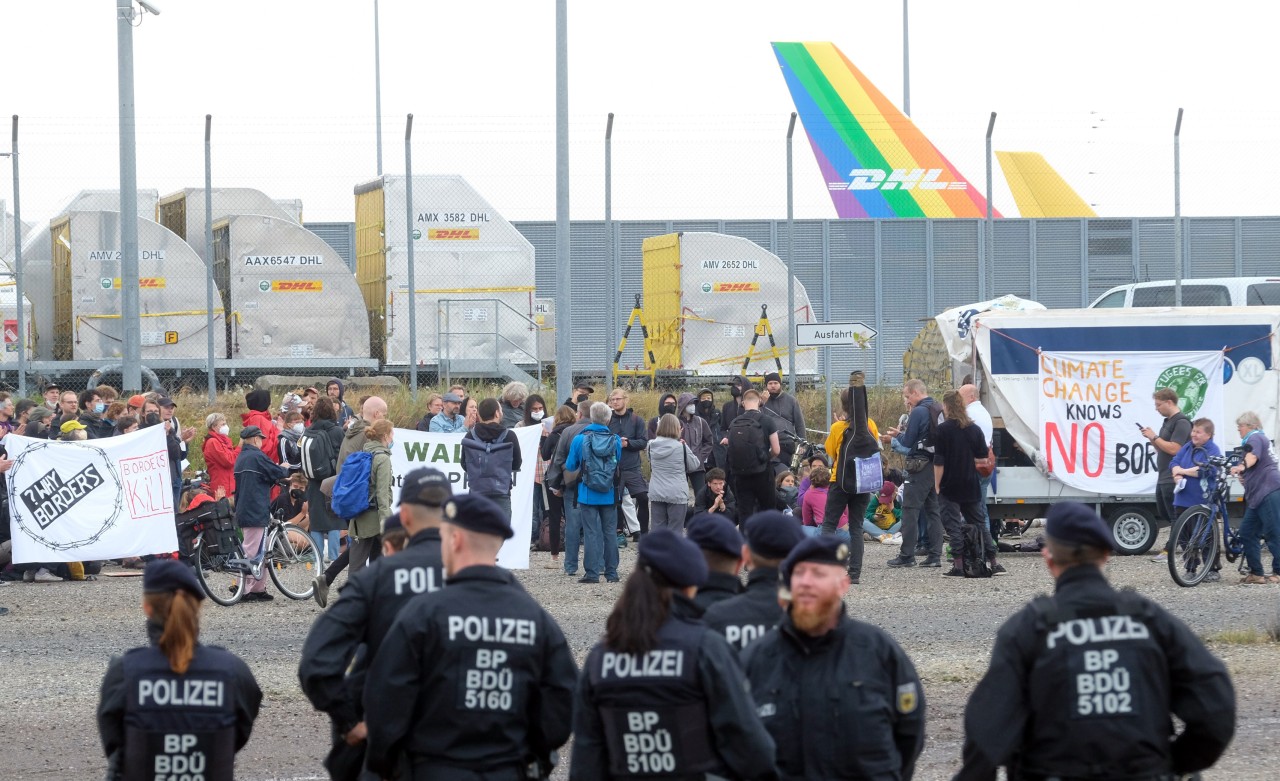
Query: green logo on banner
{"x": 1189, "y": 383}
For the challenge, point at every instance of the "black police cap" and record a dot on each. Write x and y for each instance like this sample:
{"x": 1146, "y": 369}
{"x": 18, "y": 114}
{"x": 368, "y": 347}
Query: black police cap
{"x": 772, "y": 533}
{"x": 163, "y": 576}
{"x": 475, "y": 513}
{"x": 823, "y": 549}
{"x": 392, "y": 521}
{"x": 714, "y": 532}
{"x": 676, "y": 559}
{"x": 1075, "y": 523}
{"x": 426, "y": 486}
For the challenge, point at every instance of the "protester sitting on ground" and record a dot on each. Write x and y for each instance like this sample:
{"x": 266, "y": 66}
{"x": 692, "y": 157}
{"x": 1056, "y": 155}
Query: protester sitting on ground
{"x": 806, "y": 478}
{"x": 787, "y": 493}
{"x": 883, "y": 517}
{"x": 814, "y": 504}
{"x": 72, "y": 431}
{"x": 220, "y": 453}
{"x": 670, "y": 459}
{"x": 291, "y": 505}
{"x": 717, "y": 497}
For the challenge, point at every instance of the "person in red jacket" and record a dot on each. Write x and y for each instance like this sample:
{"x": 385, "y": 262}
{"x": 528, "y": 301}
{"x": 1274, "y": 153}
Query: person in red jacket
{"x": 259, "y": 404}
{"x": 220, "y": 454}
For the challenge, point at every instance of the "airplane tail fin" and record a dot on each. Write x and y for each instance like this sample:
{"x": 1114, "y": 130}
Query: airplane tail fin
{"x": 1039, "y": 190}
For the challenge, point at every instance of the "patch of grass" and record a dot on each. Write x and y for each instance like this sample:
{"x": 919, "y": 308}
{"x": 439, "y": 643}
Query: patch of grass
{"x": 1251, "y": 636}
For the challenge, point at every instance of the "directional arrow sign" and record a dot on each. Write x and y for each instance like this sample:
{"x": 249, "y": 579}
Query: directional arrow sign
{"x": 833, "y": 334}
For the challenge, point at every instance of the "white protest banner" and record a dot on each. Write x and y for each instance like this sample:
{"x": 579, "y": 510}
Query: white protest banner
{"x": 91, "y": 500}
{"x": 1093, "y": 406}
{"x": 413, "y": 449}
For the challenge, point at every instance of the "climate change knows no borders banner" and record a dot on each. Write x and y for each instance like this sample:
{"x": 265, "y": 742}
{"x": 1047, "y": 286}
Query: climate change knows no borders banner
{"x": 1092, "y": 406}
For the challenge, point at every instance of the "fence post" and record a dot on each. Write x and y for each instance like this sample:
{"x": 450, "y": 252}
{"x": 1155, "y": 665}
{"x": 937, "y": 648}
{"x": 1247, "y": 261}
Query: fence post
{"x": 208, "y": 254}
{"x": 413, "y": 288}
{"x": 791, "y": 266}
{"x": 17, "y": 265}
{"x": 1177, "y": 210}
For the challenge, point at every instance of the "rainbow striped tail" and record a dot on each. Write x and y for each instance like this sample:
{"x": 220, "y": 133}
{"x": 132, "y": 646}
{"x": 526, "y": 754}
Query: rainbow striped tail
{"x": 874, "y": 159}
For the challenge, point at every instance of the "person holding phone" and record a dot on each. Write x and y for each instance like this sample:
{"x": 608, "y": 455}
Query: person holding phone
{"x": 1174, "y": 433}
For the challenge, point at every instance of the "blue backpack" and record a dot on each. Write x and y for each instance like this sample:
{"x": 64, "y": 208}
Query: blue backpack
{"x": 599, "y": 461}
{"x": 351, "y": 489}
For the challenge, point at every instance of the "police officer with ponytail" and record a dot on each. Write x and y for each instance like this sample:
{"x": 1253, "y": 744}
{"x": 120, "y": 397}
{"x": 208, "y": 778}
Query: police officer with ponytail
{"x": 661, "y": 696}
{"x": 175, "y": 708}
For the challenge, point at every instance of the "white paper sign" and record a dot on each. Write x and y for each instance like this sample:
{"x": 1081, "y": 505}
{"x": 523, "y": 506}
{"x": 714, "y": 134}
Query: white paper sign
{"x": 414, "y": 449}
{"x": 1092, "y": 406}
{"x": 92, "y": 500}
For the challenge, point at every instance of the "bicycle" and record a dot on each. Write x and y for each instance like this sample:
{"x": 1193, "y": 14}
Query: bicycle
{"x": 221, "y": 563}
{"x": 1193, "y": 537}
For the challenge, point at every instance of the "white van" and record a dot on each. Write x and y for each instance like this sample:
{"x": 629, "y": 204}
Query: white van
{"x": 1220, "y": 291}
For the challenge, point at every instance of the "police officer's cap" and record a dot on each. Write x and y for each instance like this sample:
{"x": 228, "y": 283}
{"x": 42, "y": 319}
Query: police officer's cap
{"x": 392, "y": 521}
{"x": 475, "y": 513}
{"x": 1076, "y": 524}
{"x": 772, "y": 533}
{"x": 714, "y": 532}
{"x": 250, "y": 431}
{"x": 676, "y": 559}
{"x": 427, "y": 486}
{"x": 823, "y": 549}
{"x": 166, "y": 575}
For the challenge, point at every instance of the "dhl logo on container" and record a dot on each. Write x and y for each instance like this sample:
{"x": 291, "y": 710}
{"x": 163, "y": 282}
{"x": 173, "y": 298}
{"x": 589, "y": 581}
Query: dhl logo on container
{"x": 143, "y": 282}
{"x": 453, "y": 233}
{"x": 297, "y": 286}
{"x": 736, "y": 287}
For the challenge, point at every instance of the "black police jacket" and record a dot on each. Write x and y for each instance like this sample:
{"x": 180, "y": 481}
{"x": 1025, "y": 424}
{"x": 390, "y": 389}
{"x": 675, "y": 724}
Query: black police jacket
{"x": 719, "y": 587}
{"x": 679, "y": 711}
{"x": 155, "y": 722}
{"x": 475, "y": 676}
{"x": 1084, "y": 684}
{"x": 751, "y": 614}
{"x": 847, "y": 705}
{"x": 370, "y": 602}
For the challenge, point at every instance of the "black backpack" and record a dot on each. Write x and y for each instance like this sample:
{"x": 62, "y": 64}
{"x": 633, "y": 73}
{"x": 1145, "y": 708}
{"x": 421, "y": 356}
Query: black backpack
{"x": 317, "y": 455}
{"x": 975, "y": 557}
{"x": 936, "y": 415}
{"x": 748, "y": 448}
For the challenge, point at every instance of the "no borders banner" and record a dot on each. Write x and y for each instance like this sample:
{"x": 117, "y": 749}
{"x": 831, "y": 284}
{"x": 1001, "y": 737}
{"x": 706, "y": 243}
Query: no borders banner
{"x": 414, "y": 449}
{"x": 1093, "y": 404}
{"x": 91, "y": 500}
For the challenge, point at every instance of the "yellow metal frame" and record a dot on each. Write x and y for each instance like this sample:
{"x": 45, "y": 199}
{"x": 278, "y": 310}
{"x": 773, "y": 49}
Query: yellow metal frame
{"x": 651, "y": 366}
{"x": 762, "y": 329}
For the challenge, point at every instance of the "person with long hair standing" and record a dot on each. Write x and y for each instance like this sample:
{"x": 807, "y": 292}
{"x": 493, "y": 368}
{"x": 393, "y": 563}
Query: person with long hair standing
{"x": 661, "y": 694}
{"x": 174, "y": 707}
{"x": 959, "y": 442}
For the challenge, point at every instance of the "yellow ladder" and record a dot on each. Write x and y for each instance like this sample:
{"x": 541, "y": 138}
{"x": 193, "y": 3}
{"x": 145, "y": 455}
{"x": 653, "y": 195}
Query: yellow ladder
{"x": 650, "y": 365}
{"x": 763, "y": 329}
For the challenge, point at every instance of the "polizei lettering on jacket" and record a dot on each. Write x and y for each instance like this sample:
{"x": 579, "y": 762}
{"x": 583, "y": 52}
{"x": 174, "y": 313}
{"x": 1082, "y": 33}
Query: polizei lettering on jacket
{"x": 518, "y": 631}
{"x": 172, "y": 692}
{"x": 1083, "y": 631}
{"x": 417, "y": 580}
{"x": 655, "y": 664}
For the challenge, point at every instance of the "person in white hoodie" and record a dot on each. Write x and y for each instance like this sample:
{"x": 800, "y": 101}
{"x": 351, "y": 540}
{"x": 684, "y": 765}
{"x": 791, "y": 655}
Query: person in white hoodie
{"x": 670, "y": 459}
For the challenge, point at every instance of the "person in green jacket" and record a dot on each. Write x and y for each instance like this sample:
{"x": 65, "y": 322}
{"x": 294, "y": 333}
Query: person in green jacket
{"x": 368, "y": 524}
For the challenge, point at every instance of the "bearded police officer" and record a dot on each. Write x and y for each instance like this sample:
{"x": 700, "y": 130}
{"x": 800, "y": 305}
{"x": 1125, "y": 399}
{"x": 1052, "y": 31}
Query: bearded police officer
{"x": 370, "y": 602}
{"x": 661, "y": 696}
{"x": 1082, "y": 684}
{"x": 839, "y": 696}
{"x": 721, "y": 546}
{"x": 770, "y": 537}
{"x": 474, "y": 681}
{"x": 175, "y": 708}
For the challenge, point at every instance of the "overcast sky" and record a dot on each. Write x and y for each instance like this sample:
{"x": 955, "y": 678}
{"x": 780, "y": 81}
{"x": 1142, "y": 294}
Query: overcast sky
{"x": 701, "y": 106}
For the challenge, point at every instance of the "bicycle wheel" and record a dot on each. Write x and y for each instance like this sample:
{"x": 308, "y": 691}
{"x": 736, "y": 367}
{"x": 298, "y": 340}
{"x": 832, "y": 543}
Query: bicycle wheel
{"x": 220, "y": 582}
{"x": 1193, "y": 544}
{"x": 293, "y": 561}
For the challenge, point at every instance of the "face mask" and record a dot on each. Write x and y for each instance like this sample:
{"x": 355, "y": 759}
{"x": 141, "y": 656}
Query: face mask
{"x": 581, "y": 397}
{"x": 689, "y": 410}
{"x": 295, "y": 493}
{"x": 224, "y": 430}
{"x": 668, "y": 409}
{"x": 735, "y": 391}
{"x": 152, "y": 418}
{"x": 298, "y": 428}
{"x": 99, "y": 408}
{"x": 537, "y": 415}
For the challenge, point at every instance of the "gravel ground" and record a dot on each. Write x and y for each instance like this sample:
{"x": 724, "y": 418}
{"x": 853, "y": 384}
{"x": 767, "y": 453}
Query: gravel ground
{"x": 57, "y": 638}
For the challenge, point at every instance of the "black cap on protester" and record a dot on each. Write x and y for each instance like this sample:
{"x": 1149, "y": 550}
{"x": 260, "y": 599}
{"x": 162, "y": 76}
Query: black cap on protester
{"x": 392, "y": 521}
{"x": 773, "y": 377}
{"x": 585, "y": 387}
{"x": 1075, "y": 523}
{"x": 714, "y": 532}
{"x": 165, "y": 401}
{"x": 426, "y": 486}
{"x": 823, "y": 549}
{"x": 772, "y": 534}
{"x": 164, "y": 575}
{"x": 676, "y": 559}
{"x": 250, "y": 431}
{"x": 475, "y": 513}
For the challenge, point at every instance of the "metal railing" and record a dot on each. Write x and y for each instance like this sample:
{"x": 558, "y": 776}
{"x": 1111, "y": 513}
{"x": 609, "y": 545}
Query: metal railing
{"x": 479, "y": 311}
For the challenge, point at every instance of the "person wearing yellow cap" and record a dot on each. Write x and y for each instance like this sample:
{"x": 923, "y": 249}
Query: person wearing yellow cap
{"x": 175, "y": 708}
{"x": 72, "y": 431}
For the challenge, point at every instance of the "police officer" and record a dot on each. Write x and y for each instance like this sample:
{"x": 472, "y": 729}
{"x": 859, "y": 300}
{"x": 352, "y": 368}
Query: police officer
{"x": 175, "y": 708}
{"x": 721, "y": 546}
{"x": 1082, "y": 684}
{"x": 661, "y": 696}
{"x": 370, "y": 602}
{"x": 770, "y": 537}
{"x": 474, "y": 681}
{"x": 839, "y": 696}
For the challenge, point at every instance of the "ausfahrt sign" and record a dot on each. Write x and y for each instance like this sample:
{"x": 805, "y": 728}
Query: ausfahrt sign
{"x": 833, "y": 334}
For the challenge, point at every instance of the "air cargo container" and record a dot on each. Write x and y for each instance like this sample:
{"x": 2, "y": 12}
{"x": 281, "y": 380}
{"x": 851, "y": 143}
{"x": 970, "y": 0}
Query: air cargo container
{"x": 85, "y": 292}
{"x": 474, "y": 276}
{"x": 9, "y": 320}
{"x": 704, "y": 294}
{"x": 183, "y": 212}
{"x": 289, "y": 293}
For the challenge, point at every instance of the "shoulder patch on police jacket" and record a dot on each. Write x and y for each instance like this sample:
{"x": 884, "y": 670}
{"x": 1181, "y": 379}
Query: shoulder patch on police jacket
{"x": 907, "y": 698}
